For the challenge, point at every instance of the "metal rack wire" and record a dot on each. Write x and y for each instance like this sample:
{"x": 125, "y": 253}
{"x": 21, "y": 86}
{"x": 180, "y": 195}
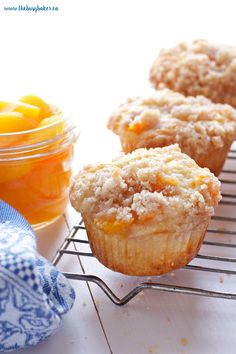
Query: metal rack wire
{"x": 228, "y": 199}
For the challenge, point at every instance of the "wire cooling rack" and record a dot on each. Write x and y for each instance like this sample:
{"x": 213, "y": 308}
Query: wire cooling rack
{"x": 76, "y": 237}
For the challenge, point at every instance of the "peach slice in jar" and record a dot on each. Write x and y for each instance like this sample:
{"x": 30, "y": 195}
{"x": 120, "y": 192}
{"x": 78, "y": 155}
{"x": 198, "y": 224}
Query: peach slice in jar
{"x": 41, "y": 194}
{"x": 51, "y": 176}
{"x": 55, "y": 126}
{"x": 16, "y": 118}
{"x": 17, "y": 193}
{"x": 48, "y": 129}
{"x": 48, "y": 182}
{"x": 29, "y": 111}
{"x": 12, "y": 123}
{"x": 10, "y": 171}
{"x": 37, "y": 102}
{"x": 36, "y": 151}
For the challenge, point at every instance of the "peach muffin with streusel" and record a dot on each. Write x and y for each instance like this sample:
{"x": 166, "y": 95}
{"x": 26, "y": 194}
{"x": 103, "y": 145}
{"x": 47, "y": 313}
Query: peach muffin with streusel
{"x": 204, "y": 130}
{"x": 198, "y": 68}
{"x": 146, "y": 213}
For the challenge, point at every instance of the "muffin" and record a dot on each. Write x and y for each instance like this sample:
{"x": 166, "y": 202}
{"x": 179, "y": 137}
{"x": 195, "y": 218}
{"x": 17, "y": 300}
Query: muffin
{"x": 203, "y": 130}
{"x": 198, "y": 68}
{"x": 146, "y": 213}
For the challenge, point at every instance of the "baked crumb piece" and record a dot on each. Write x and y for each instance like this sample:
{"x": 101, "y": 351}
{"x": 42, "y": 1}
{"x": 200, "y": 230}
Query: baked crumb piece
{"x": 98, "y": 303}
{"x": 183, "y": 341}
{"x": 221, "y": 279}
{"x": 198, "y": 68}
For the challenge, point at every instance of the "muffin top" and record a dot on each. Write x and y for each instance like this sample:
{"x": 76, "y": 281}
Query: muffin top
{"x": 198, "y": 68}
{"x": 168, "y": 117}
{"x": 160, "y": 183}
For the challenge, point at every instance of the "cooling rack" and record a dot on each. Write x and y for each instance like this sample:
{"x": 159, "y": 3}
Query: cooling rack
{"x": 228, "y": 181}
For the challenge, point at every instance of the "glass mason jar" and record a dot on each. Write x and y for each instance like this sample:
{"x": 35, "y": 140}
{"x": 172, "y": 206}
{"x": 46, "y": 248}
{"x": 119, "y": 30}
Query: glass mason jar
{"x": 35, "y": 170}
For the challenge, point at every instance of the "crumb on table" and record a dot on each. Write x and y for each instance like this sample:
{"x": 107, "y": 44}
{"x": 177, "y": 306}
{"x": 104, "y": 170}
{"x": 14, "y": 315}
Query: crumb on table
{"x": 221, "y": 279}
{"x": 183, "y": 341}
{"x": 98, "y": 303}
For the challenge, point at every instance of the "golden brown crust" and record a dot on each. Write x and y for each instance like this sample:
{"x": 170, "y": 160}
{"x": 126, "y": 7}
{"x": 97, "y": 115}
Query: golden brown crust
{"x": 133, "y": 187}
{"x": 198, "y": 68}
{"x": 199, "y": 126}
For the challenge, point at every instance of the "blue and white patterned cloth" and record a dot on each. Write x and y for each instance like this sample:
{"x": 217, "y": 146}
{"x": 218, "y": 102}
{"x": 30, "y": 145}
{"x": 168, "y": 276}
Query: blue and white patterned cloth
{"x": 34, "y": 295}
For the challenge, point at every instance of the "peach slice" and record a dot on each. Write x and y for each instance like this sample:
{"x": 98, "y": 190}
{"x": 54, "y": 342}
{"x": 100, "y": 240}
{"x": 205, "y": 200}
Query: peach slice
{"x": 49, "y": 179}
{"x": 137, "y": 127}
{"x": 37, "y": 102}
{"x": 11, "y": 122}
{"x": 55, "y": 127}
{"x": 29, "y": 111}
{"x": 49, "y": 132}
{"x": 4, "y": 105}
{"x": 13, "y": 171}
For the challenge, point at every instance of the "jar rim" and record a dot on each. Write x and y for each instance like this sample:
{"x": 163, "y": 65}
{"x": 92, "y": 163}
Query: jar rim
{"x": 70, "y": 134}
{"x": 70, "y": 126}
{"x": 24, "y": 132}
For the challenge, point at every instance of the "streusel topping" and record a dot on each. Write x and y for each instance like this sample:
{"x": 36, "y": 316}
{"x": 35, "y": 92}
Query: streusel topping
{"x": 162, "y": 182}
{"x": 167, "y": 117}
{"x": 198, "y": 68}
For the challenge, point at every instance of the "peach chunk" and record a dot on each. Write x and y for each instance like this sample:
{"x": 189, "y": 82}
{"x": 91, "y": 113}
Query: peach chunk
{"x": 55, "y": 127}
{"x": 137, "y": 127}
{"x": 4, "y": 105}
{"x": 29, "y": 111}
{"x": 11, "y": 122}
{"x": 13, "y": 171}
{"x": 37, "y": 102}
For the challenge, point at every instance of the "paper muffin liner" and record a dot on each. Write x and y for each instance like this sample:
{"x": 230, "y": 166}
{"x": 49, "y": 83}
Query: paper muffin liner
{"x": 213, "y": 158}
{"x": 151, "y": 254}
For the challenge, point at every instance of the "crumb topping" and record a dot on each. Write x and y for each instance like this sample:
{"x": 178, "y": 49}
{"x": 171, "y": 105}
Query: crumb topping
{"x": 198, "y": 68}
{"x": 168, "y": 117}
{"x": 160, "y": 182}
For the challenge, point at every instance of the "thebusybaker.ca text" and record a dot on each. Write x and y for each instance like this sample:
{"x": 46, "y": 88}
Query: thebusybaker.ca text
{"x": 26, "y": 8}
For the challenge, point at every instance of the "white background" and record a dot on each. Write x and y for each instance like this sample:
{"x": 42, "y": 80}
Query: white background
{"x": 88, "y": 58}
{"x": 92, "y": 55}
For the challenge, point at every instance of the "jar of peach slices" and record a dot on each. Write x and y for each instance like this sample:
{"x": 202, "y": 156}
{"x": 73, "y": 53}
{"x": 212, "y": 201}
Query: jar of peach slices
{"x": 36, "y": 151}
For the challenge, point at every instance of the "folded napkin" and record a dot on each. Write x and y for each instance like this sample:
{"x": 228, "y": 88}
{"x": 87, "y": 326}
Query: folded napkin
{"x": 34, "y": 295}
